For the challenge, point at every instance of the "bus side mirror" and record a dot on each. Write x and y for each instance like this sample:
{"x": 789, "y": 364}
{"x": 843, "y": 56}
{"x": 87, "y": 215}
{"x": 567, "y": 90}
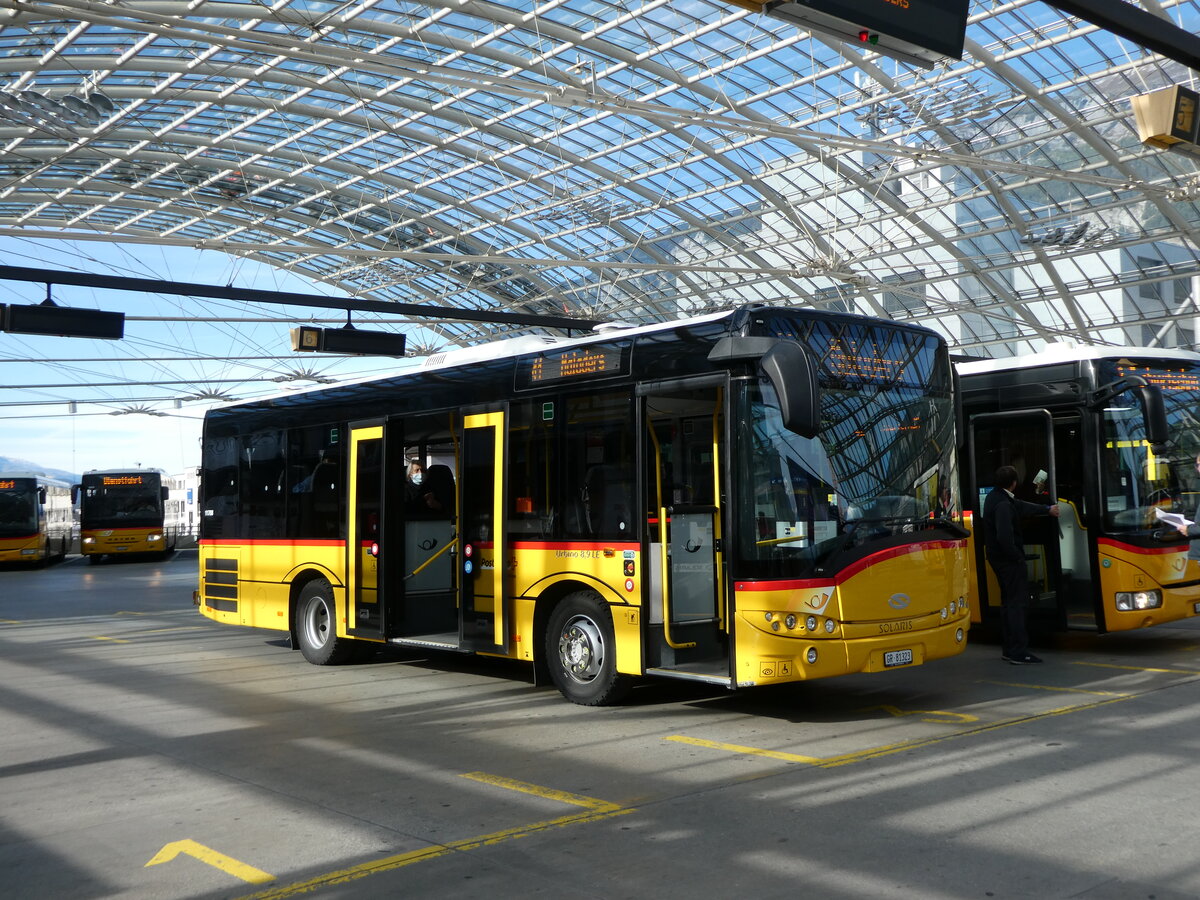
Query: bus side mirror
{"x": 1154, "y": 412}
{"x": 75, "y": 489}
{"x": 42, "y": 496}
{"x": 793, "y": 373}
{"x": 166, "y": 493}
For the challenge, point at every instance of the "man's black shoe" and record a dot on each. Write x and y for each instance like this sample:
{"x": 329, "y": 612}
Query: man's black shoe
{"x": 1022, "y": 660}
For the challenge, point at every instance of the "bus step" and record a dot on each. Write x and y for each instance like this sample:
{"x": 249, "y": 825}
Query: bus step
{"x": 433, "y": 641}
{"x": 721, "y": 678}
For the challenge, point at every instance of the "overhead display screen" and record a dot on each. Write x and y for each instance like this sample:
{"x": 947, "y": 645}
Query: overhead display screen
{"x": 574, "y": 364}
{"x": 923, "y": 31}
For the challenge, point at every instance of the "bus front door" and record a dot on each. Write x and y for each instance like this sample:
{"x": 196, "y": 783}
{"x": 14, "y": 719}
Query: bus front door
{"x": 482, "y": 546}
{"x": 1022, "y": 439}
{"x": 685, "y": 439}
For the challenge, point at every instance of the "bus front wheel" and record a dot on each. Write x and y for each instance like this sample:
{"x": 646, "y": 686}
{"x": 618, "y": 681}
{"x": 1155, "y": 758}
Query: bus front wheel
{"x": 581, "y": 651}
{"x": 316, "y": 627}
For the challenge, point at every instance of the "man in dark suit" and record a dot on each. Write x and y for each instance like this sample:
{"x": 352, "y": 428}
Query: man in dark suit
{"x": 1002, "y": 513}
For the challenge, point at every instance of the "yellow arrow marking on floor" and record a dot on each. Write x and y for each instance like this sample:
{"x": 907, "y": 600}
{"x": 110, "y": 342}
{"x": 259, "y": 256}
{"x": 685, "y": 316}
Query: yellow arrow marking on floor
{"x": 211, "y": 857}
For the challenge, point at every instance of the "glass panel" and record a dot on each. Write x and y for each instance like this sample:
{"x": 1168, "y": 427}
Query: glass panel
{"x": 18, "y": 510}
{"x": 693, "y": 567}
{"x": 1134, "y": 480}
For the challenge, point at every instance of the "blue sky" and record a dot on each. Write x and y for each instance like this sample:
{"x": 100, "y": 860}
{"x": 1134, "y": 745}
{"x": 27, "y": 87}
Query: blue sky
{"x": 156, "y": 362}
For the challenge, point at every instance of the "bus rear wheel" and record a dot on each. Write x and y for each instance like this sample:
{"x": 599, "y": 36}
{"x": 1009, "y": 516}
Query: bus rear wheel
{"x": 581, "y": 651}
{"x": 316, "y": 628}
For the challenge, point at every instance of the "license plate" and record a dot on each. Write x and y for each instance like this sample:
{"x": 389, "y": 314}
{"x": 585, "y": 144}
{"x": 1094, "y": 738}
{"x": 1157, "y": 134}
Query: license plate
{"x": 897, "y": 658}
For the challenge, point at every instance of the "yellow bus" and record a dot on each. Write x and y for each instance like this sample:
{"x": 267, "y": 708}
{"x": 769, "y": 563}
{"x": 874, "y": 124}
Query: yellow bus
{"x": 745, "y": 498}
{"x": 121, "y": 513}
{"x": 36, "y": 519}
{"x": 1115, "y": 434}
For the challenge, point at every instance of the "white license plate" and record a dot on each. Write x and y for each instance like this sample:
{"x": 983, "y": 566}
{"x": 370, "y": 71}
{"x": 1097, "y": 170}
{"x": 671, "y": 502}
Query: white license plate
{"x": 897, "y": 658}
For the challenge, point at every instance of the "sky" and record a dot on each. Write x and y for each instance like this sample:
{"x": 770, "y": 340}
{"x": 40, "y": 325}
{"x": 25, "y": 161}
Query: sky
{"x": 174, "y": 348}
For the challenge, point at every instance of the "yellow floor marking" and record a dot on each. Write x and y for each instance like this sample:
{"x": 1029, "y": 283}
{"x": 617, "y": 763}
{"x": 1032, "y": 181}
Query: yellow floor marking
{"x": 843, "y": 759}
{"x": 1136, "y": 668}
{"x": 597, "y": 810}
{"x": 213, "y": 858}
{"x": 548, "y": 793}
{"x": 936, "y": 716}
{"x": 1066, "y": 690}
{"x": 100, "y": 637}
{"x": 748, "y": 751}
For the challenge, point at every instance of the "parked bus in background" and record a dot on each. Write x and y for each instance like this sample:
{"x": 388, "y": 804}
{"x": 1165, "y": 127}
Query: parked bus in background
{"x": 1114, "y": 434}
{"x": 745, "y": 498}
{"x": 121, "y": 513}
{"x": 36, "y": 519}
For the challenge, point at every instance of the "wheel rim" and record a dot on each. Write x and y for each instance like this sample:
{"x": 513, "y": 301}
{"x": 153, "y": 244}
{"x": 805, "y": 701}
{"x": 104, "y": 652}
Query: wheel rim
{"x": 581, "y": 649}
{"x": 315, "y": 622}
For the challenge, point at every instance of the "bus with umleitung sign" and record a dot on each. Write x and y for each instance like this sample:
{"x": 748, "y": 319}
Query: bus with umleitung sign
{"x": 746, "y": 498}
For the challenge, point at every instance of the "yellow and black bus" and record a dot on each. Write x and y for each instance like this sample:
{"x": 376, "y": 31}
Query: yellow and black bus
{"x": 1111, "y": 434}
{"x": 121, "y": 513}
{"x": 36, "y": 518}
{"x": 746, "y": 498}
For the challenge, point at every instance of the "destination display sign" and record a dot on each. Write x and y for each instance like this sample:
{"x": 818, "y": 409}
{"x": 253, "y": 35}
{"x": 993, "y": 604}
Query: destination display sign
{"x": 120, "y": 480}
{"x": 573, "y": 364}
{"x": 1184, "y": 378}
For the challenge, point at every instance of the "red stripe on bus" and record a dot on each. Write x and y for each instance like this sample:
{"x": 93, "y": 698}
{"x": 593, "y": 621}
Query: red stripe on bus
{"x": 800, "y": 584}
{"x": 271, "y": 542}
{"x": 1145, "y": 551}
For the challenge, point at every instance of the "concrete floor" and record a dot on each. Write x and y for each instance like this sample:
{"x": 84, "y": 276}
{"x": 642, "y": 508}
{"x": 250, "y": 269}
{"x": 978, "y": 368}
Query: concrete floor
{"x": 146, "y": 752}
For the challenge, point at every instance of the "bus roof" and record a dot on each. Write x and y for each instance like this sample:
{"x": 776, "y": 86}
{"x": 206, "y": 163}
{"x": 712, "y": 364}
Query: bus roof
{"x": 39, "y": 476}
{"x": 1060, "y": 352}
{"x": 507, "y": 348}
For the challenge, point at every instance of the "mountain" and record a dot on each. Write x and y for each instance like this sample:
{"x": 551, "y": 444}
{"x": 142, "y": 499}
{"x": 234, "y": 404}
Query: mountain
{"x": 9, "y": 465}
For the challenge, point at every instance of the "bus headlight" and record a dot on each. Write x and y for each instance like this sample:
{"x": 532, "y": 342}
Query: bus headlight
{"x": 811, "y": 656}
{"x": 89, "y": 540}
{"x": 790, "y": 621}
{"x": 154, "y": 537}
{"x": 811, "y": 623}
{"x": 1130, "y": 600}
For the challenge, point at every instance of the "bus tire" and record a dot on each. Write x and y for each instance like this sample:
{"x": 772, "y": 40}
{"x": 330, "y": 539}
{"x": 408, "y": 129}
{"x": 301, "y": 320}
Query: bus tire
{"x": 581, "y": 651}
{"x": 316, "y": 627}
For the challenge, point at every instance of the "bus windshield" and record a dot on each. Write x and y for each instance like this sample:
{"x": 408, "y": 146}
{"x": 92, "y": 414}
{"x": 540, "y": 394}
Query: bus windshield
{"x": 880, "y": 472}
{"x": 18, "y": 511}
{"x": 1135, "y": 482}
{"x": 122, "y": 502}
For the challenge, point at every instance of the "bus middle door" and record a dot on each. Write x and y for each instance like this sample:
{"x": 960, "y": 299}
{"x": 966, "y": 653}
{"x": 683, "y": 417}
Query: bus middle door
{"x": 1023, "y": 439}
{"x": 365, "y": 535}
{"x": 484, "y": 550}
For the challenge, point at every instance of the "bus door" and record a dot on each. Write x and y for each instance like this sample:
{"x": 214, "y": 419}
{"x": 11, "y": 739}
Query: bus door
{"x": 483, "y": 551}
{"x": 684, "y": 445}
{"x": 423, "y": 599}
{"x": 365, "y": 535}
{"x": 1023, "y": 439}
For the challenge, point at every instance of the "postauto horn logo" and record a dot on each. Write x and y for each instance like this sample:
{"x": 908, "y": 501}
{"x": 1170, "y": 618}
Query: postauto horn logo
{"x": 899, "y": 601}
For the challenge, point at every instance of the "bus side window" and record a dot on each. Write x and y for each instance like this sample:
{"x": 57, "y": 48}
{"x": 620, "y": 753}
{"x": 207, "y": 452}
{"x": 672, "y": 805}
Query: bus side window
{"x": 314, "y": 484}
{"x": 533, "y": 509}
{"x": 599, "y": 467}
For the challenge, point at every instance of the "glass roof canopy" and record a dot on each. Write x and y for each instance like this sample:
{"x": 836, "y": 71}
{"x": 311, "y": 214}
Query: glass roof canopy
{"x": 618, "y": 161}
